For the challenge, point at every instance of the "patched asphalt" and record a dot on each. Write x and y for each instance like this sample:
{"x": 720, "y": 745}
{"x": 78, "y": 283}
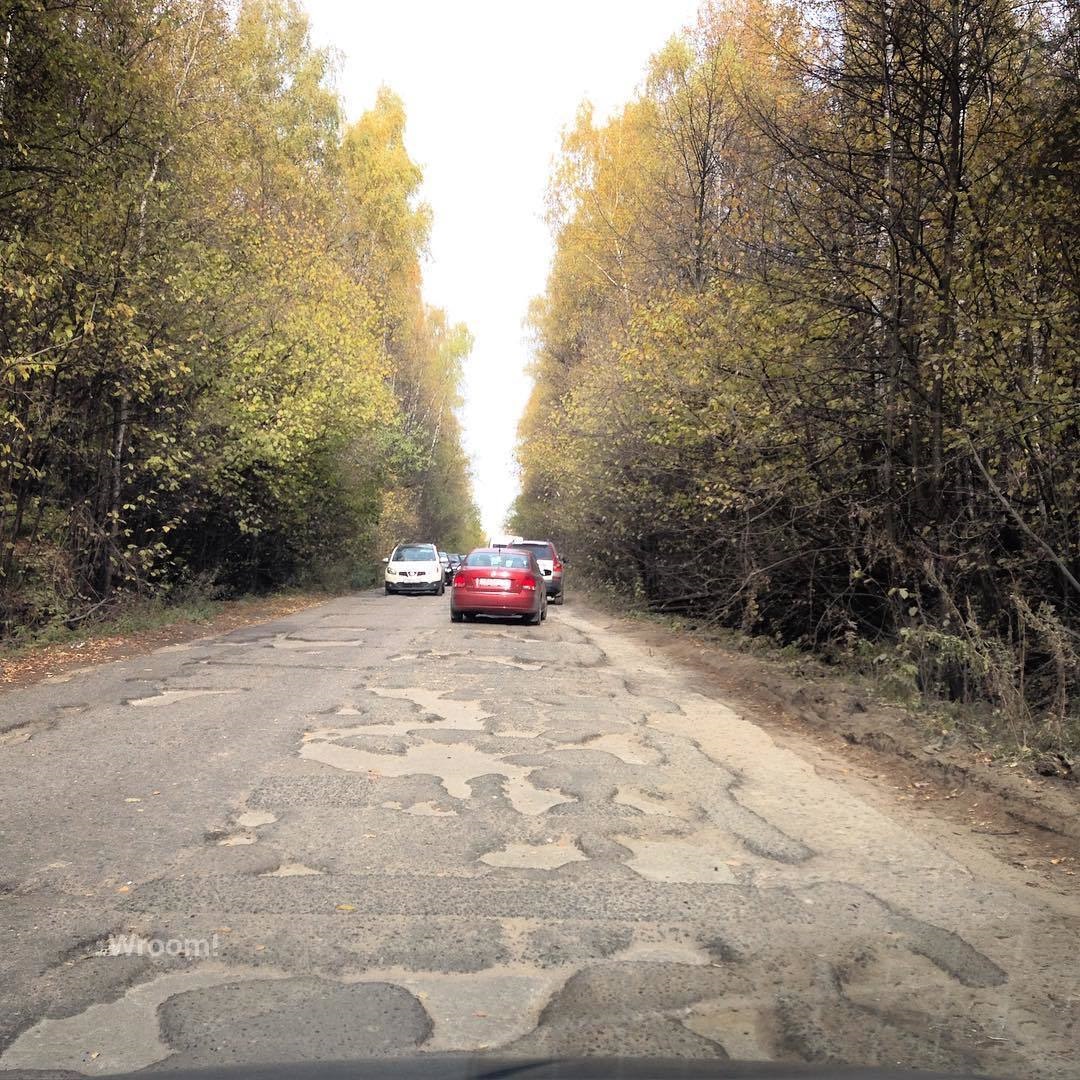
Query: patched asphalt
{"x": 364, "y": 831}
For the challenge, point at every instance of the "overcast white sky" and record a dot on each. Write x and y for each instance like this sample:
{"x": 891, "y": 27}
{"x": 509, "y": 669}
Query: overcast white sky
{"x": 488, "y": 87}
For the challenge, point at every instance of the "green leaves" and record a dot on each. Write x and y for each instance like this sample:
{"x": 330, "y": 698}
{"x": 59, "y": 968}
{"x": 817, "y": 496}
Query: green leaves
{"x": 798, "y": 296}
{"x": 217, "y": 357}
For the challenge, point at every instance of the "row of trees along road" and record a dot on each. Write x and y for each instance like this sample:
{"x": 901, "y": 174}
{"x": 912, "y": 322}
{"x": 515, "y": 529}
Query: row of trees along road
{"x": 215, "y": 361}
{"x": 807, "y": 362}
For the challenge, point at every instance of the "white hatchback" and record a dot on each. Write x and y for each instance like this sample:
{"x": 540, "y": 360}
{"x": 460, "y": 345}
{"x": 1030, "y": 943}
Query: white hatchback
{"x": 414, "y": 568}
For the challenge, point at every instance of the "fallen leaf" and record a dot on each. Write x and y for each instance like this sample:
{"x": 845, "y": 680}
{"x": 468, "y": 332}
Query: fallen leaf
{"x": 124, "y": 888}
{"x": 132, "y": 799}
{"x": 345, "y": 907}
{"x": 480, "y": 1014}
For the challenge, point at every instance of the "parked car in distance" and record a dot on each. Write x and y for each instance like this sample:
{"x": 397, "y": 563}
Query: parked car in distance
{"x": 551, "y": 566}
{"x": 447, "y": 566}
{"x": 414, "y": 568}
{"x": 499, "y": 581}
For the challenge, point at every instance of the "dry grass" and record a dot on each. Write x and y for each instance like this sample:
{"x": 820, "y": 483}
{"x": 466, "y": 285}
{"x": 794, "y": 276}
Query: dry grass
{"x": 140, "y": 630}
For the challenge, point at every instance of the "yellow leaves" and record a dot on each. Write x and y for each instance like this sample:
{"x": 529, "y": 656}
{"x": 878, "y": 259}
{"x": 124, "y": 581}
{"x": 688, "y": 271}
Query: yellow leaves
{"x": 256, "y": 307}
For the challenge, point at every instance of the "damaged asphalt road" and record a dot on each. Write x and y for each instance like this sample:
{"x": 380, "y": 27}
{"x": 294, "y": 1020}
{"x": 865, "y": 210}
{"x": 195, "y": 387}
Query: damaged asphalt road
{"x": 375, "y": 833}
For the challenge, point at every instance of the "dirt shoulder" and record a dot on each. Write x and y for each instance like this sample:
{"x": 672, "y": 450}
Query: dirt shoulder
{"x": 37, "y": 662}
{"x": 888, "y": 753}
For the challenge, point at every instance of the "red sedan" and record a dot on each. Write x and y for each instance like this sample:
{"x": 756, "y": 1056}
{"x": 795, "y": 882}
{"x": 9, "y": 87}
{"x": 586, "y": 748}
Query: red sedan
{"x": 499, "y": 581}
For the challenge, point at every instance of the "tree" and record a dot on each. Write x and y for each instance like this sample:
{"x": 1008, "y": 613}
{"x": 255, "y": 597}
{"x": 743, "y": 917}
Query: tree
{"x": 216, "y": 359}
{"x": 806, "y": 362}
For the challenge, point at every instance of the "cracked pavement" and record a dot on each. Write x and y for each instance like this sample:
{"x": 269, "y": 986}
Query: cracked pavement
{"x": 402, "y": 835}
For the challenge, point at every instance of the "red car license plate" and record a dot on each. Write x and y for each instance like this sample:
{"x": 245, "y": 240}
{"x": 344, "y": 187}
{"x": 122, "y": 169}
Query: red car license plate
{"x": 492, "y": 583}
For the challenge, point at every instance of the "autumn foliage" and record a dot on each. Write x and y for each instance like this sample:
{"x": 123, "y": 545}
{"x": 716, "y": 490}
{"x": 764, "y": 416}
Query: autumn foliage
{"x": 807, "y": 362}
{"x": 215, "y": 361}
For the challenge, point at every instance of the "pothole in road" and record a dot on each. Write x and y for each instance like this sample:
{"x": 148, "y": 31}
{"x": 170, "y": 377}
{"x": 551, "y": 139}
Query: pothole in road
{"x": 743, "y": 1028}
{"x": 237, "y": 840}
{"x": 455, "y": 764}
{"x": 252, "y": 819}
{"x": 452, "y": 715}
{"x": 479, "y": 1011}
{"x": 548, "y": 856}
{"x": 22, "y": 733}
{"x": 291, "y": 869}
{"x": 508, "y": 661}
{"x": 124, "y": 1034}
{"x": 650, "y": 804}
{"x": 420, "y": 809}
{"x": 678, "y": 860}
{"x": 663, "y": 952}
{"x": 477, "y": 634}
{"x": 458, "y": 715}
{"x": 289, "y": 641}
{"x": 470, "y": 1012}
{"x": 169, "y": 697}
{"x": 630, "y": 749}
{"x": 504, "y": 661}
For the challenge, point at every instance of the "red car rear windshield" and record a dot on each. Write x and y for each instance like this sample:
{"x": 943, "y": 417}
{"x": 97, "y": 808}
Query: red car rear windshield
{"x": 508, "y": 560}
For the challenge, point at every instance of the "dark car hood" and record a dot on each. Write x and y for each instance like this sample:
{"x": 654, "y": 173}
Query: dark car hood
{"x": 472, "y": 1067}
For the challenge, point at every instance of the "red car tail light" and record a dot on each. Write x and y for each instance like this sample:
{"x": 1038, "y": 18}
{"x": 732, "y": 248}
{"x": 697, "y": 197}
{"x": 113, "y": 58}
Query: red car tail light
{"x": 459, "y": 581}
{"x": 522, "y": 579}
